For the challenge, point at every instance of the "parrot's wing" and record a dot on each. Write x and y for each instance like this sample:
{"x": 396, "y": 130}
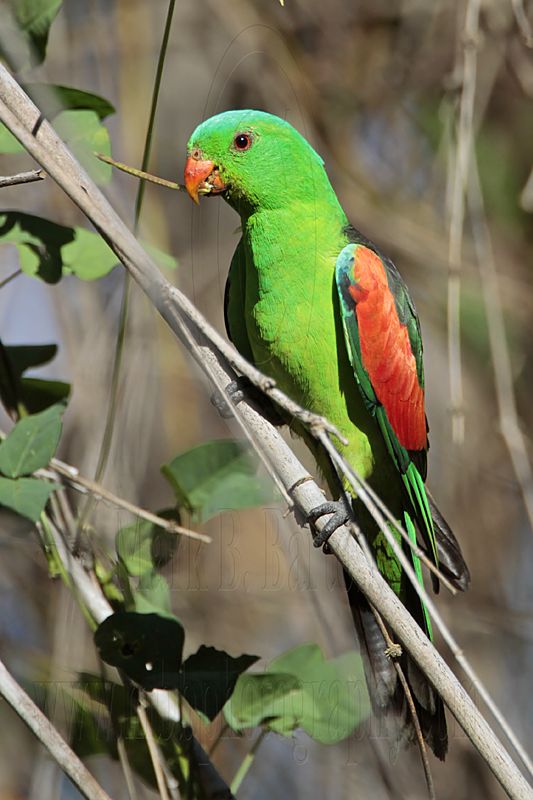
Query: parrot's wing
{"x": 384, "y": 345}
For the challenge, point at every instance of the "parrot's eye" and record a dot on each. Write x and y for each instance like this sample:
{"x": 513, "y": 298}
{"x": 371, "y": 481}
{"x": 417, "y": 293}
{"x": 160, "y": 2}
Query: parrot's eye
{"x": 242, "y": 141}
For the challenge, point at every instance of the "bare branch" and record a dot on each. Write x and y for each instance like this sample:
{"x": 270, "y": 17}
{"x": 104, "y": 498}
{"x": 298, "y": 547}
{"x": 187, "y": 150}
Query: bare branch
{"x": 99, "y": 492}
{"x": 218, "y": 360}
{"x": 501, "y": 359}
{"x": 459, "y": 182}
{"x": 155, "y": 754}
{"x": 49, "y": 737}
{"x": 22, "y": 177}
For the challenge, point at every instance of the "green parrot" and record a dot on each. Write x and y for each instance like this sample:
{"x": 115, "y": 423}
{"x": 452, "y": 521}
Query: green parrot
{"x": 315, "y": 305}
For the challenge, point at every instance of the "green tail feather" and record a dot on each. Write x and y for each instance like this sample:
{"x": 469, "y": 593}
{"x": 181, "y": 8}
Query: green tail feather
{"x": 411, "y": 531}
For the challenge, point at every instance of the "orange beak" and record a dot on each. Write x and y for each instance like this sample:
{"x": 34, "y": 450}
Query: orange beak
{"x": 201, "y": 177}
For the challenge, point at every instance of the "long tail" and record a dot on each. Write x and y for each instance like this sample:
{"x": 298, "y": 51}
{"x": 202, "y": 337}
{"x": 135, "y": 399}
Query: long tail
{"x": 386, "y": 692}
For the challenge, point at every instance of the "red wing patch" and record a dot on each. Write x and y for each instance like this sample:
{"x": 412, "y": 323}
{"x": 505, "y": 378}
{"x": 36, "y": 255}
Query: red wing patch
{"x": 386, "y": 351}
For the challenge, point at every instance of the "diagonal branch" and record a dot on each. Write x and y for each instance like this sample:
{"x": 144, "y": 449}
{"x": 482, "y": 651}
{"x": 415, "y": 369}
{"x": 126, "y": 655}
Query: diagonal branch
{"x": 48, "y": 735}
{"x": 219, "y": 361}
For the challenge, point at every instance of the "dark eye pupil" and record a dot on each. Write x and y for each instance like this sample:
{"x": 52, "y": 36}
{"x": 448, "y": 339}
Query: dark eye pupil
{"x": 242, "y": 141}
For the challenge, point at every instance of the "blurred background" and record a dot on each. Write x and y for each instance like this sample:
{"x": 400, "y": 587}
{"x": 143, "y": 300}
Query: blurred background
{"x": 376, "y": 87}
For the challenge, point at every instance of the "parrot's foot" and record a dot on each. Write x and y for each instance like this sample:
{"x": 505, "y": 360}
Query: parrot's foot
{"x": 242, "y": 389}
{"x": 393, "y": 651}
{"x": 340, "y": 514}
{"x": 235, "y": 395}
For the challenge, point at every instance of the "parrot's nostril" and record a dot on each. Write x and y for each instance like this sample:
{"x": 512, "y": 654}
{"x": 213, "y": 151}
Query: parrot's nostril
{"x": 196, "y": 154}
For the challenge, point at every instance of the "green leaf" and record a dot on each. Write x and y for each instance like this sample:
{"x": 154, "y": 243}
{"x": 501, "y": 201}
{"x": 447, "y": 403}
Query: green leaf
{"x": 217, "y": 476}
{"x": 300, "y": 689}
{"x": 52, "y": 99}
{"x": 37, "y": 394}
{"x": 134, "y": 547}
{"x": 143, "y": 546}
{"x": 31, "y": 443}
{"x": 153, "y": 594}
{"x": 8, "y": 143}
{"x": 148, "y": 647}
{"x": 47, "y": 250}
{"x": 38, "y": 242}
{"x": 27, "y": 356}
{"x": 208, "y": 677}
{"x": 26, "y": 496}
{"x": 85, "y": 135}
{"x": 263, "y": 699}
{"x": 28, "y": 30}
{"x": 88, "y": 256}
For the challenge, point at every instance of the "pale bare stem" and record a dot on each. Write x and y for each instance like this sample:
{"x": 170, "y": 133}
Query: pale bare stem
{"x": 345, "y": 469}
{"x": 86, "y": 485}
{"x": 522, "y": 21}
{"x": 21, "y": 177}
{"x": 126, "y": 768}
{"x": 459, "y": 182}
{"x": 156, "y": 757}
{"x": 19, "y": 115}
{"x": 499, "y": 347}
{"x": 49, "y": 737}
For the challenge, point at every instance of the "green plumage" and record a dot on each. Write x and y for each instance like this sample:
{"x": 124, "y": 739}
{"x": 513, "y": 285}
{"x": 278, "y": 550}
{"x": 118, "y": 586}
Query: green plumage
{"x": 285, "y": 313}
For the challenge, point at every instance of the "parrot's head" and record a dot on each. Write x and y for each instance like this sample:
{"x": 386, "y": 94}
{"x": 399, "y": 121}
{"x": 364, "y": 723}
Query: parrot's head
{"x": 252, "y": 158}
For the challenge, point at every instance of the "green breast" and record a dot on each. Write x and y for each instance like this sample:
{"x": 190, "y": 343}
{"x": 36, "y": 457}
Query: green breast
{"x": 293, "y": 323}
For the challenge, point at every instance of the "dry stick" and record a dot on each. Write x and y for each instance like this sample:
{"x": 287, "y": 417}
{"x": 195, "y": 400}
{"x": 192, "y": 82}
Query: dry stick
{"x": 501, "y": 360}
{"x": 10, "y": 277}
{"x": 359, "y": 487}
{"x": 49, "y": 737}
{"x": 460, "y": 178}
{"x": 22, "y": 177}
{"x": 153, "y": 749}
{"x": 139, "y": 173}
{"x": 86, "y": 485}
{"x": 523, "y": 22}
{"x": 20, "y": 116}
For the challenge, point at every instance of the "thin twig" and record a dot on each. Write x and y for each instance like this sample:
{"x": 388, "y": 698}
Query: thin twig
{"x": 246, "y": 763}
{"x": 19, "y": 115}
{"x": 522, "y": 21}
{"x": 10, "y": 277}
{"x": 22, "y": 177}
{"x": 99, "y": 492}
{"x": 460, "y": 178}
{"x": 107, "y": 436}
{"x": 501, "y": 359}
{"x": 139, "y": 173}
{"x": 153, "y": 749}
{"x": 49, "y": 737}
